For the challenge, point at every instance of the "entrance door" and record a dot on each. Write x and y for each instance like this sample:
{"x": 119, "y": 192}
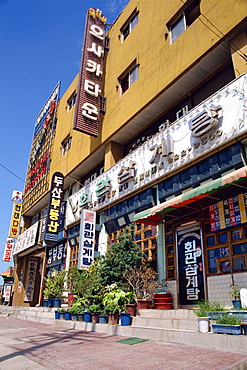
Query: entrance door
{"x": 190, "y": 264}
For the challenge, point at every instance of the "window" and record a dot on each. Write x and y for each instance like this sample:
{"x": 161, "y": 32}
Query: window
{"x": 71, "y": 101}
{"x": 184, "y": 20}
{"x": 128, "y": 28}
{"x": 66, "y": 144}
{"x": 129, "y": 78}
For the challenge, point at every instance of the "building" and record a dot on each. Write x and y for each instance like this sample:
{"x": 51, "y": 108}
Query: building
{"x": 153, "y": 130}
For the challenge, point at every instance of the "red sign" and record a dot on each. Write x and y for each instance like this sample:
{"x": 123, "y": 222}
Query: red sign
{"x": 87, "y": 116}
{"x": 8, "y": 251}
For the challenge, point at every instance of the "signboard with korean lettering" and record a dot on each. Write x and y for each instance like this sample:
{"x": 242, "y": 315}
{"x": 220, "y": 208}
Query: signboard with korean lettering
{"x": 87, "y": 116}
{"x": 15, "y": 220}
{"x": 7, "y": 293}
{"x": 26, "y": 239}
{"x": 190, "y": 264}
{"x": 229, "y": 212}
{"x": 56, "y": 255}
{"x": 87, "y": 235}
{"x": 54, "y": 208}
{"x": 30, "y": 279}
{"x": 8, "y": 250}
{"x": 16, "y": 196}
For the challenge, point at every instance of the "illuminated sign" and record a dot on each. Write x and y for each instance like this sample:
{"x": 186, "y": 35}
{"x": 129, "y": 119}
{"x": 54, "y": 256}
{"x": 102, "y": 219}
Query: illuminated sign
{"x": 54, "y": 208}
{"x": 87, "y": 116}
{"x": 87, "y": 234}
{"x": 15, "y": 220}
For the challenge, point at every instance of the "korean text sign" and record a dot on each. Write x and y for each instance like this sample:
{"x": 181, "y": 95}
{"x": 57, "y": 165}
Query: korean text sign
{"x": 15, "y": 220}
{"x": 190, "y": 265}
{"x": 87, "y": 235}
{"x": 8, "y": 250}
{"x": 30, "y": 279}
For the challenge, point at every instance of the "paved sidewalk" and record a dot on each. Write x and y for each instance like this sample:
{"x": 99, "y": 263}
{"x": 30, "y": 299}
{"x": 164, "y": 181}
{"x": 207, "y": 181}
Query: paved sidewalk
{"x": 26, "y": 345}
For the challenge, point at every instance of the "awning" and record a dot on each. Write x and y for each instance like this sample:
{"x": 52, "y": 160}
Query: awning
{"x": 154, "y": 215}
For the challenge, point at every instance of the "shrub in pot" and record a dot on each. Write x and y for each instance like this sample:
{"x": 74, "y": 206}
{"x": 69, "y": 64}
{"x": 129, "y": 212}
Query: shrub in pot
{"x": 201, "y": 311}
{"x": 54, "y": 286}
{"x": 227, "y": 324}
{"x": 235, "y": 293}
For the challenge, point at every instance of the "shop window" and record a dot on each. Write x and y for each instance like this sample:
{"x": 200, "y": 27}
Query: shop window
{"x": 129, "y": 26}
{"x": 223, "y": 238}
{"x": 129, "y": 78}
{"x": 225, "y": 266}
{"x": 237, "y": 234}
{"x": 239, "y": 264}
{"x": 71, "y": 101}
{"x": 188, "y": 16}
{"x": 210, "y": 240}
{"x": 213, "y": 254}
{"x": 66, "y": 145}
{"x": 240, "y": 248}
{"x": 170, "y": 256}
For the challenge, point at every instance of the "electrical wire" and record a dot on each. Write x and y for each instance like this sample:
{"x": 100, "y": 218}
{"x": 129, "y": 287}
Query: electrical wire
{"x": 11, "y": 172}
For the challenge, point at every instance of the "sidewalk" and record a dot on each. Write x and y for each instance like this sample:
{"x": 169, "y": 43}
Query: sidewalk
{"x": 27, "y": 345}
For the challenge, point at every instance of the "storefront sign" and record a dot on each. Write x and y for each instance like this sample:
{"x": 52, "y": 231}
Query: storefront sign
{"x": 56, "y": 255}
{"x": 8, "y": 250}
{"x": 203, "y": 129}
{"x": 16, "y": 196}
{"x": 190, "y": 265}
{"x": 87, "y": 234}
{"x": 87, "y": 116}
{"x": 30, "y": 279}
{"x": 27, "y": 239}
{"x": 54, "y": 208}
{"x": 15, "y": 220}
{"x": 229, "y": 212}
{"x": 7, "y": 292}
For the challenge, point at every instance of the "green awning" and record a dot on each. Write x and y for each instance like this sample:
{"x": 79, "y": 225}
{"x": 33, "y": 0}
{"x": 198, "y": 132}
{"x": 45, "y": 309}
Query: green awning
{"x": 154, "y": 215}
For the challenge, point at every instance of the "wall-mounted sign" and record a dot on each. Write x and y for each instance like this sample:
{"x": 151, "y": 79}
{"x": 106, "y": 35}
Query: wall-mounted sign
{"x": 54, "y": 209}
{"x": 8, "y": 250}
{"x": 30, "y": 279}
{"x": 87, "y": 234}
{"x": 87, "y": 116}
{"x": 229, "y": 212}
{"x": 190, "y": 265}
{"x": 206, "y": 127}
{"x": 16, "y": 196}
{"x": 15, "y": 220}
{"x": 27, "y": 239}
{"x": 56, "y": 255}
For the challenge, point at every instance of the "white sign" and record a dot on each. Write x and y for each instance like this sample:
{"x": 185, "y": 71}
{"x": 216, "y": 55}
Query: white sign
{"x": 30, "y": 279}
{"x": 26, "y": 239}
{"x": 87, "y": 234}
{"x": 8, "y": 250}
{"x": 219, "y": 119}
{"x": 16, "y": 196}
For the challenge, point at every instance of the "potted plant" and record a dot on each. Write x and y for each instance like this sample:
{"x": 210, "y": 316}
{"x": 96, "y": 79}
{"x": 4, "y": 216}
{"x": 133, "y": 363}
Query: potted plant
{"x": 114, "y": 301}
{"x": 227, "y": 324}
{"x": 201, "y": 311}
{"x": 235, "y": 293}
{"x": 74, "y": 312}
{"x": 61, "y": 312}
{"x": 143, "y": 281}
{"x": 95, "y": 311}
{"x": 54, "y": 287}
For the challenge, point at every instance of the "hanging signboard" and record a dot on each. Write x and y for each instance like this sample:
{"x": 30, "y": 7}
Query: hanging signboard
{"x": 30, "y": 279}
{"x": 56, "y": 255}
{"x": 8, "y": 250}
{"x": 87, "y": 234}
{"x": 54, "y": 208}
{"x": 16, "y": 196}
{"x": 87, "y": 116}
{"x": 27, "y": 239}
{"x": 15, "y": 220}
{"x": 190, "y": 264}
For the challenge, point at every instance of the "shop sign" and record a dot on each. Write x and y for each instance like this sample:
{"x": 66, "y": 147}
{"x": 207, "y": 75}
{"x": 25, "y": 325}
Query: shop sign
{"x": 87, "y": 116}
{"x": 16, "y": 196}
{"x": 54, "y": 209}
{"x": 27, "y": 239}
{"x": 190, "y": 265}
{"x": 15, "y": 220}
{"x": 56, "y": 255}
{"x": 20, "y": 285}
{"x": 30, "y": 279}
{"x": 87, "y": 235}
{"x": 8, "y": 250}
{"x": 203, "y": 129}
{"x": 229, "y": 212}
{"x": 7, "y": 293}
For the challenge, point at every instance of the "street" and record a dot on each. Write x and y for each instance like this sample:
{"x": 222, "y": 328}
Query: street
{"x": 29, "y": 345}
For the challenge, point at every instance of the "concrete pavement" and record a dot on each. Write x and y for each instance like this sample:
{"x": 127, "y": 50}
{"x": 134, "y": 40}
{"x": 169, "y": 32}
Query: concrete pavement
{"x": 26, "y": 345}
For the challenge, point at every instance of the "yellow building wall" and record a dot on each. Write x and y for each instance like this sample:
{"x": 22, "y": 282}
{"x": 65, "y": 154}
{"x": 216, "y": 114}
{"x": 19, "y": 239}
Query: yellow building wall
{"x": 160, "y": 62}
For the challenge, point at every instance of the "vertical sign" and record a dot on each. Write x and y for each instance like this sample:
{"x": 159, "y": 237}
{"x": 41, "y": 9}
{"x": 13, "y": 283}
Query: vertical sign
{"x": 30, "y": 279}
{"x": 190, "y": 264}
{"x": 15, "y": 220}
{"x": 87, "y": 116}
{"x": 8, "y": 250}
{"x": 87, "y": 234}
{"x": 54, "y": 208}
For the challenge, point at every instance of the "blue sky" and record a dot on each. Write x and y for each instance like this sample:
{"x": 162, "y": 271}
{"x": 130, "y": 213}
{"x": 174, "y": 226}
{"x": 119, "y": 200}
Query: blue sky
{"x": 40, "y": 43}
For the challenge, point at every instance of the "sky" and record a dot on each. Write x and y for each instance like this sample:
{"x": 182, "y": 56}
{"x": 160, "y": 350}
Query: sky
{"x": 40, "y": 43}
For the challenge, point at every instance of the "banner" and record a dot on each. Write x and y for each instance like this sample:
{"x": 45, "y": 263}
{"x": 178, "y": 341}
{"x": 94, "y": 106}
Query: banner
{"x": 30, "y": 279}
{"x": 87, "y": 234}
{"x": 8, "y": 250}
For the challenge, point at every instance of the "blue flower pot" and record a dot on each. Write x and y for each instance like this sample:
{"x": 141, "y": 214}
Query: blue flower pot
{"x": 237, "y": 304}
{"x": 67, "y": 315}
{"x": 45, "y": 302}
{"x": 102, "y": 319}
{"x": 87, "y": 317}
{"x": 62, "y": 315}
{"x": 50, "y": 302}
{"x": 57, "y": 315}
{"x": 56, "y": 302}
{"x": 125, "y": 318}
{"x": 226, "y": 329}
{"x": 74, "y": 316}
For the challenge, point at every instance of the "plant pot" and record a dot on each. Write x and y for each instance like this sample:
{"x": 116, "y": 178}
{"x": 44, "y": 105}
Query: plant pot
{"x": 80, "y": 317}
{"x": 56, "y": 302}
{"x": 50, "y": 302}
{"x": 163, "y": 306}
{"x": 131, "y": 308}
{"x": 162, "y": 295}
{"x": 226, "y": 329}
{"x": 102, "y": 319}
{"x": 236, "y": 304}
{"x": 74, "y": 316}
{"x": 142, "y": 304}
{"x": 244, "y": 327}
{"x": 95, "y": 318}
{"x": 163, "y": 301}
{"x": 87, "y": 317}
{"x": 125, "y": 318}
{"x": 71, "y": 298}
{"x": 203, "y": 324}
{"x": 45, "y": 302}
{"x": 113, "y": 318}
{"x": 67, "y": 315}
{"x": 62, "y": 315}
{"x": 57, "y": 315}
{"x": 241, "y": 313}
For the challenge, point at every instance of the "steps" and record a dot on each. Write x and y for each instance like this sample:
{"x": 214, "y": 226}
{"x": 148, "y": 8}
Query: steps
{"x": 171, "y": 326}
